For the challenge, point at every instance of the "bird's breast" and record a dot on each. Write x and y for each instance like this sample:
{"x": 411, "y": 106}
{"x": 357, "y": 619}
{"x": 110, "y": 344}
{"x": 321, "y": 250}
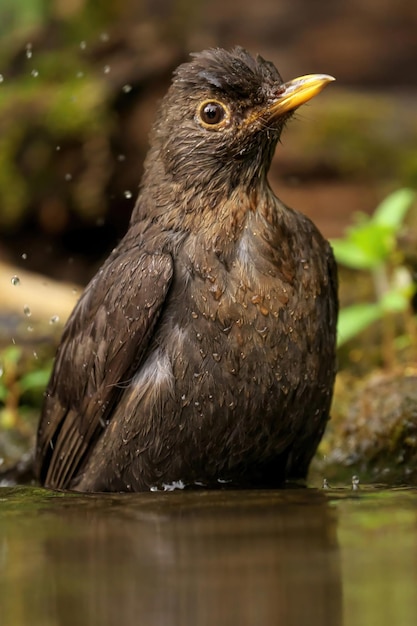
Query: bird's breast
{"x": 247, "y": 315}
{"x": 247, "y": 288}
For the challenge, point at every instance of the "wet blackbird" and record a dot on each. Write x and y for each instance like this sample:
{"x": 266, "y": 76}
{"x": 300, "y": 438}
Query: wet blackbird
{"x": 203, "y": 351}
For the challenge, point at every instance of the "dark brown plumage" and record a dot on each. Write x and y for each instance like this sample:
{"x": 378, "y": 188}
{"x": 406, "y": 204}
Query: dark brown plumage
{"x": 203, "y": 351}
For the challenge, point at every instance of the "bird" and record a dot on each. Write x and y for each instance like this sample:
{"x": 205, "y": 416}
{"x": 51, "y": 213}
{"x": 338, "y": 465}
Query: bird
{"x": 202, "y": 353}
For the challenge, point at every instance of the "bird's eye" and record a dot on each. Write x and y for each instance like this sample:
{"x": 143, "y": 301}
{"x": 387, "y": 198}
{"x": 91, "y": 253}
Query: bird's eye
{"x": 212, "y": 113}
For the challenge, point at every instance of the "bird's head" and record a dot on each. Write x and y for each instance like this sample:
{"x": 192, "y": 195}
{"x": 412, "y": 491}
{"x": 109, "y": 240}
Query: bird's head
{"x": 222, "y": 117}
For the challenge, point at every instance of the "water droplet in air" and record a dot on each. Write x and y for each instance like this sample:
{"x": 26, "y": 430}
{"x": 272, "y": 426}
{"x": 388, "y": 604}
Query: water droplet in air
{"x": 80, "y": 74}
{"x": 30, "y": 329}
{"x": 1, "y": 78}
{"x": 54, "y": 319}
{"x": 68, "y": 177}
{"x": 34, "y": 73}
{"x": 106, "y": 69}
{"x": 58, "y": 148}
{"x": 83, "y": 45}
{"x": 121, "y": 157}
{"x": 29, "y": 51}
{"x": 126, "y": 88}
{"x": 127, "y": 194}
{"x": 325, "y": 484}
{"x": 355, "y": 483}
{"x": 27, "y": 311}
{"x": 104, "y": 37}
{"x": 24, "y": 256}
{"x": 15, "y": 280}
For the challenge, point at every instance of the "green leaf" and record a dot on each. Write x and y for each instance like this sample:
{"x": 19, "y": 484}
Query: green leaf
{"x": 35, "y": 380}
{"x": 392, "y": 210}
{"x": 371, "y": 241}
{"x": 364, "y": 248}
{"x": 395, "y": 300}
{"x": 354, "y": 319}
{"x": 350, "y": 254}
{"x": 377, "y": 241}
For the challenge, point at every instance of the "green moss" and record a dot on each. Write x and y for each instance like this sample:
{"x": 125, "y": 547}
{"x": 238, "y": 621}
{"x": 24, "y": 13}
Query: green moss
{"x": 37, "y": 114}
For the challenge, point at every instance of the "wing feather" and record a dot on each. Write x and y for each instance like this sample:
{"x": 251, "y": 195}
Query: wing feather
{"x": 101, "y": 349}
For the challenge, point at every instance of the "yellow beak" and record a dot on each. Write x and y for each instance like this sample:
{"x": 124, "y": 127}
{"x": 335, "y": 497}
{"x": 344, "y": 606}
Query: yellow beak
{"x": 297, "y": 92}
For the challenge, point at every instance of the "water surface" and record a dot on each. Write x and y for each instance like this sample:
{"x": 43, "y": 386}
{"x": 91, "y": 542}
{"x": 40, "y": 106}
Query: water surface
{"x": 244, "y": 558}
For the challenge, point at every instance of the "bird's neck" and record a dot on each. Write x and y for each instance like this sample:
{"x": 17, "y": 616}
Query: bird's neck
{"x": 218, "y": 214}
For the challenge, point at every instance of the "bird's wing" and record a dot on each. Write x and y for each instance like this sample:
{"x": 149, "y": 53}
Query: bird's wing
{"x": 101, "y": 348}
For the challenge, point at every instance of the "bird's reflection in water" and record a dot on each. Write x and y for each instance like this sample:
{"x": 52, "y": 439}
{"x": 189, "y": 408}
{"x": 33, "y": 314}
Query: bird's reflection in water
{"x": 224, "y": 558}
